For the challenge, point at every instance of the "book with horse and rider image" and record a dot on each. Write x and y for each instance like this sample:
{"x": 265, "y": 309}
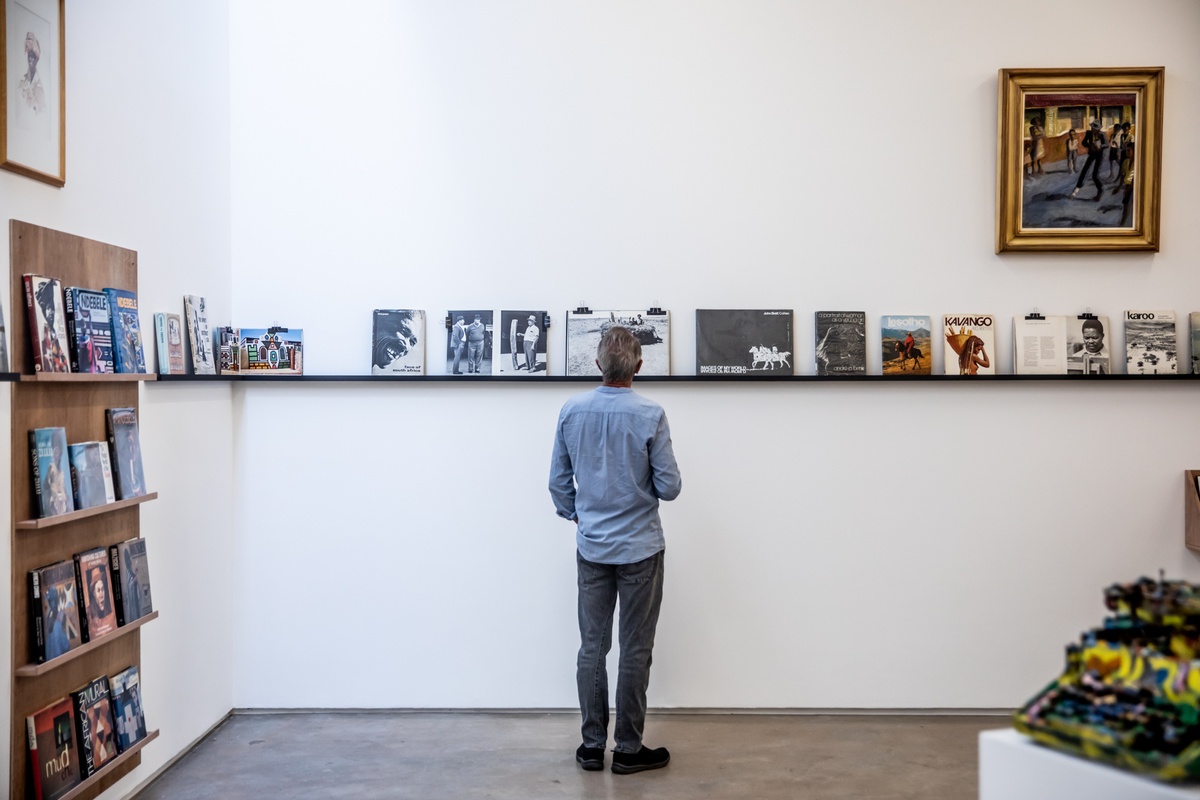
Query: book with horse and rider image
{"x": 907, "y": 344}
{"x": 744, "y": 342}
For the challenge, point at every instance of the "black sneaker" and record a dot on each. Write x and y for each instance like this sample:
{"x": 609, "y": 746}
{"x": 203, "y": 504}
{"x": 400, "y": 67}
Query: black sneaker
{"x": 590, "y": 758}
{"x": 644, "y": 759}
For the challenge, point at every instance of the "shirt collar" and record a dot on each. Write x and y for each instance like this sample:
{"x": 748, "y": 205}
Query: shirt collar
{"x": 613, "y": 389}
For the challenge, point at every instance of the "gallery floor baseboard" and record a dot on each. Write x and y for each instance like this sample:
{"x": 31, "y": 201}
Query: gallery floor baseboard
{"x": 797, "y": 712}
{"x": 142, "y": 786}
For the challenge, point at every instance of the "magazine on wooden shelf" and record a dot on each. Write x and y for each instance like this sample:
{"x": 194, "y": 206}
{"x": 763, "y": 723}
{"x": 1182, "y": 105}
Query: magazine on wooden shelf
{"x": 228, "y": 342}
{"x": 1087, "y": 346}
{"x": 1040, "y": 345}
{"x": 1151, "y": 347}
{"x": 53, "y": 751}
{"x": 47, "y": 324}
{"x": 97, "y": 613}
{"x": 94, "y": 727}
{"x": 125, "y": 449}
{"x": 129, "y": 354}
{"x": 397, "y": 341}
{"x": 199, "y": 335}
{"x": 841, "y": 339}
{"x": 168, "y": 334}
{"x": 584, "y": 330}
{"x": 469, "y": 343}
{"x": 91, "y": 474}
{"x": 906, "y": 344}
{"x": 126, "y": 692}
{"x": 744, "y": 342}
{"x": 523, "y": 342}
{"x": 89, "y": 330}
{"x": 54, "y": 611}
{"x": 272, "y": 351}
{"x": 970, "y": 344}
{"x": 53, "y": 493}
{"x": 130, "y": 580}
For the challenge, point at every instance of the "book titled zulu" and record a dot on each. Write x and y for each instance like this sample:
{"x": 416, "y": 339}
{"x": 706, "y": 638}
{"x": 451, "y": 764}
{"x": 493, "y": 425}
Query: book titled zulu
{"x": 841, "y": 343}
{"x": 199, "y": 335}
{"x": 53, "y": 751}
{"x": 168, "y": 334}
{"x": 130, "y": 580}
{"x": 744, "y": 342}
{"x": 273, "y": 351}
{"x": 397, "y": 341}
{"x": 128, "y": 352}
{"x": 89, "y": 330}
{"x": 1150, "y": 344}
{"x": 97, "y": 615}
{"x": 94, "y": 728}
{"x": 125, "y": 447}
{"x": 54, "y": 611}
{"x": 585, "y": 328}
{"x": 91, "y": 474}
{"x": 970, "y": 344}
{"x": 907, "y": 344}
{"x": 126, "y": 693}
{"x": 53, "y": 493}
{"x": 47, "y": 324}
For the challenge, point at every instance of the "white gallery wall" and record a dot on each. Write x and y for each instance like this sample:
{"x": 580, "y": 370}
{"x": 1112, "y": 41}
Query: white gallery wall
{"x": 859, "y": 545}
{"x": 147, "y": 135}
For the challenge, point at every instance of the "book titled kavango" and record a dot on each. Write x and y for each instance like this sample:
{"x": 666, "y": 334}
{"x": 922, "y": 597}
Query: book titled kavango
{"x": 970, "y": 344}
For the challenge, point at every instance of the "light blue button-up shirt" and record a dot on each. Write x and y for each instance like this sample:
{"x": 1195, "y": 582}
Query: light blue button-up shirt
{"x": 612, "y": 463}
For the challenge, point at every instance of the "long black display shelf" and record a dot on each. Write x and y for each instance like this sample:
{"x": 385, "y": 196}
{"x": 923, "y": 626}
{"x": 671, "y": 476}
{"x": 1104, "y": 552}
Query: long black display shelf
{"x": 669, "y": 378}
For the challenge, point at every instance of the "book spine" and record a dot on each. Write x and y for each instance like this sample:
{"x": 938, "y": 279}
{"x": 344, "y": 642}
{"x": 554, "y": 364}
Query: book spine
{"x": 114, "y": 315}
{"x": 114, "y": 565}
{"x": 72, "y": 328}
{"x": 35, "y": 341}
{"x": 160, "y": 338}
{"x": 35, "y": 763}
{"x": 35, "y": 617}
{"x": 83, "y": 730}
{"x": 36, "y": 475}
{"x": 113, "y": 456}
{"x": 80, "y": 603}
{"x": 76, "y": 486}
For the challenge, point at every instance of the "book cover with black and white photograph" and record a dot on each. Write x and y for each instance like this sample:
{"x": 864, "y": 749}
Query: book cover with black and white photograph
{"x": 744, "y": 342}
{"x": 126, "y": 692}
{"x": 125, "y": 451}
{"x": 1194, "y": 325}
{"x": 906, "y": 342}
{"x": 523, "y": 341}
{"x": 53, "y": 750}
{"x": 168, "y": 330}
{"x": 1151, "y": 346}
{"x": 131, "y": 580}
{"x": 1087, "y": 346}
{"x": 47, "y": 324}
{"x": 970, "y": 344}
{"x": 97, "y": 612}
{"x": 53, "y": 493}
{"x": 195, "y": 312}
{"x": 469, "y": 343}
{"x": 94, "y": 725}
{"x": 841, "y": 343}
{"x": 397, "y": 341}
{"x": 91, "y": 474}
{"x": 54, "y": 611}
{"x": 653, "y": 332}
{"x": 89, "y": 330}
{"x": 1040, "y": 345}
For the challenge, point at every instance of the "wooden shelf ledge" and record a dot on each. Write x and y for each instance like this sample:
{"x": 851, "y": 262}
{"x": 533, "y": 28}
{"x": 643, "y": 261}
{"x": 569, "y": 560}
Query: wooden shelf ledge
{"x": 714, "y": 379}
{"x": 82, "y": 789}
{"x": 37, "y": 670}
{"x": 72, "y": 516}
{"x": 86, "y": 377}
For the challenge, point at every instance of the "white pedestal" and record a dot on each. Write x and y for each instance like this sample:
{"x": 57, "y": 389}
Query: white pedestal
{"x": 1012, "y": 767}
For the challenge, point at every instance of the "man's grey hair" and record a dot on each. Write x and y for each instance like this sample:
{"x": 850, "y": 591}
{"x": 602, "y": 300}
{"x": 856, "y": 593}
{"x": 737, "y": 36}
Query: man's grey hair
{"x": 619, "y": 353}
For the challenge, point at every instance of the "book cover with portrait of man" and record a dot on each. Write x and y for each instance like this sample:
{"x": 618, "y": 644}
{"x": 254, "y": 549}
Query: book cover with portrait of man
{"x": 397, "y": 341}
{"x": 1088, "y": 350}
{"x": 98, "y": 613}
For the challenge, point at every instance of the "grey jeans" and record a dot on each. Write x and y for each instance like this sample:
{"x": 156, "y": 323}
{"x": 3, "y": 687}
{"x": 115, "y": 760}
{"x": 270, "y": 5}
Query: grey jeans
{"x": 639, "y": 586}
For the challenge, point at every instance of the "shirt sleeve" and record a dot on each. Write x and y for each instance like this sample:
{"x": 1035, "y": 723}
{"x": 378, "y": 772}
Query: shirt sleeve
{"x": 663, "y": 469}
{"x": 562, "y": 476}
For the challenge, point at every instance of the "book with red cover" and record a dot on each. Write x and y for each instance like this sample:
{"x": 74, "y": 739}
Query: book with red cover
{"x": 53, "y": 751}
{"x": 98, "y": 613}
{"x": 47, "y": 324}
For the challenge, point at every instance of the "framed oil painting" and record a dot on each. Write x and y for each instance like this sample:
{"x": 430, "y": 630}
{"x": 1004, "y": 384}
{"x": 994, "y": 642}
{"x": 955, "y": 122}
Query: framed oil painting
{"x": 32, "y": 87}
{"x": 1079, "y": 159}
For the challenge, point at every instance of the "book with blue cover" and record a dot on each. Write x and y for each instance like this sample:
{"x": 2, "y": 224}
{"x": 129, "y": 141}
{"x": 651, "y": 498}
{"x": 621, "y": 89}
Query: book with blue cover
{"x": 89, "y": 330}
{"x": 91, "y": 474}
{"x": 126, "y": 692}
{"x": 125, "y": 448}
{"x": 54, "y": 610}
{"x": 131, "y": 580}
{"x": 52, "y": 492}
{"x": 128, "y": 353}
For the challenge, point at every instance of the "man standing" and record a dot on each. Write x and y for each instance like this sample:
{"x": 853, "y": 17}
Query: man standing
{"x": 458, "y": 340}
{"x": 611, "y": 466}
{"x": 475, "y": 334}
{"x": 1094, "y": 142}
{"x": 531, "y": 337}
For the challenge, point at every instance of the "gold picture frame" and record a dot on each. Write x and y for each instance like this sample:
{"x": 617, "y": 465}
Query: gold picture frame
{"x": 1050, "y": 195}
{"x": 33, "y": 100}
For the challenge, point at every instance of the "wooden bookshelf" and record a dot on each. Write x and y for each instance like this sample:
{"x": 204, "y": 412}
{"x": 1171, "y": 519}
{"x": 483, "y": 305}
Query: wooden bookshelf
{"x": 76, "y": 402}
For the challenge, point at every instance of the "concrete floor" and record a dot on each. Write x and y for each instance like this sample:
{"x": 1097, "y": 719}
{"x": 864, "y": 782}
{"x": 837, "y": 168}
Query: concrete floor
{"x": 529, "y": 756}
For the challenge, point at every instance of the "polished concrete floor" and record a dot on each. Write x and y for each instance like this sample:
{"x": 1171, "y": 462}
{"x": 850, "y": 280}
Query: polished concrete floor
{"x": 529, "y": 756}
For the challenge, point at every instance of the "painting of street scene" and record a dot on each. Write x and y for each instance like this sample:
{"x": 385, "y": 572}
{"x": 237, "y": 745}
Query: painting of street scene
{"x": 1079, "y": 160}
